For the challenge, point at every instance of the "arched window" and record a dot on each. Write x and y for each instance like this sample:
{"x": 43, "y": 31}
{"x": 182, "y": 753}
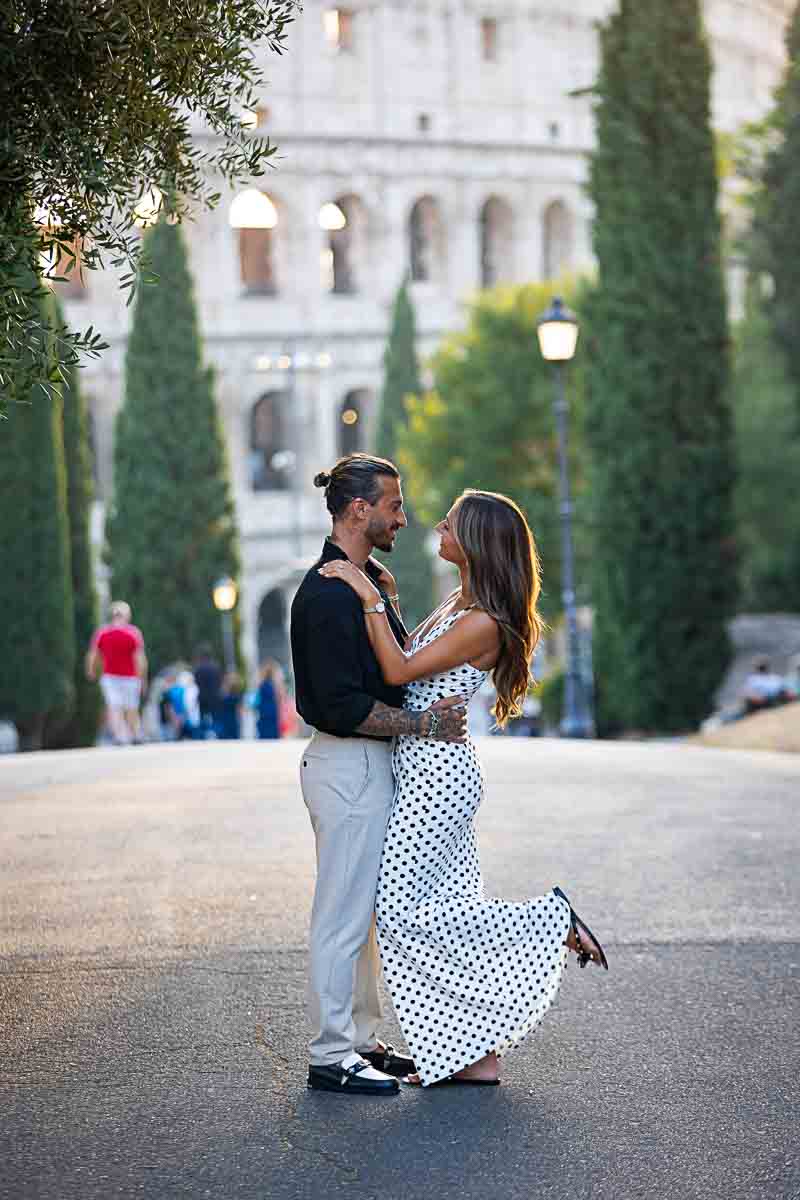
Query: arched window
{"x": 495, "y": 241}
{"x": 62, "y": 267}
{"x": 74, "y": 286}
{"x": 350, "y": 425}
{"x": 270, "y": 459}
{"x": 556, "y": 239}
{"x": 426, "y": 241}
{"x": 272, "y": 639}
{"x": 255, "y": 216}
{"x": 344, "y": 222}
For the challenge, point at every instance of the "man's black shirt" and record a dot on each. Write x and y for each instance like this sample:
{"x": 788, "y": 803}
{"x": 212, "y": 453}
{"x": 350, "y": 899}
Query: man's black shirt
{"x": 337, "y": 676}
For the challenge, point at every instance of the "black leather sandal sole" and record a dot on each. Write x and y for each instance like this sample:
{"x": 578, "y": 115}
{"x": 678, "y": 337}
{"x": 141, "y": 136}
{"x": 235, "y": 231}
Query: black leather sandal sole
{"x": 583, "y": 955}
{"x": 353, "y": 1086}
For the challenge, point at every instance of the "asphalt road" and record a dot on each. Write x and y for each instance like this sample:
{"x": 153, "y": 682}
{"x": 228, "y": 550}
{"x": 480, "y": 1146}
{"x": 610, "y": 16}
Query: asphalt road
{"x": 153, "y": 913}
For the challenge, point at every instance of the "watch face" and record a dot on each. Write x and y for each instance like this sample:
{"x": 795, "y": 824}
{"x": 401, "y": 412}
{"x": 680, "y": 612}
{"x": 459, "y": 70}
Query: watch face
{"x": 380, "y": 606}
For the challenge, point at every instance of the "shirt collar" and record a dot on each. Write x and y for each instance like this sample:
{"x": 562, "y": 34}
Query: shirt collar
{"x": 331, "y": 551}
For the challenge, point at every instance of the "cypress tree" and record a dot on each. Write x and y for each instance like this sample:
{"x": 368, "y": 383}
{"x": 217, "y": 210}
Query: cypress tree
{"x": 658, "y": 413}
{"x": 37, "y": 639}
{"x": 172, "y": 529}
{"x": 81, "y": 727}
{"x": 410, "y": 562}
{"x": 777, "y": 228}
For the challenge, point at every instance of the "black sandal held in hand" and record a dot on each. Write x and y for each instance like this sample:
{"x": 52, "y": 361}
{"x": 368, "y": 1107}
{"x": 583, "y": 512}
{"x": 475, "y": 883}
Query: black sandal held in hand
{"x": 584, "y": 955}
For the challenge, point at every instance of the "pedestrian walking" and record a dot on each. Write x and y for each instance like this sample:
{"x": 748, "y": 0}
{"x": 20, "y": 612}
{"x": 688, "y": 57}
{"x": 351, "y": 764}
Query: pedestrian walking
{"x": 179, "y": 705}
{"x": 117, "y": 652}
{"x": 208, "y": 677}
{"x": 229, "y": 720}
{"x": 270, "y": 698}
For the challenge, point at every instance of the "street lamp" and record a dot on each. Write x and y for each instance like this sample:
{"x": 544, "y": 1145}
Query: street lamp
{"x": 225, "y": 596}
{"x": 557, "y": 330}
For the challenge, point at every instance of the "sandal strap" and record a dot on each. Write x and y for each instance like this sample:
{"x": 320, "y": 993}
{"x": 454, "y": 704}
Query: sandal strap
{"x": 584, "y": 956}
{"x": 349, "y": 1073}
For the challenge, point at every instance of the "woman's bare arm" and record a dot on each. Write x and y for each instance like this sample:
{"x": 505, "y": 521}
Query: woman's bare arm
{"x": 474, "y": 635}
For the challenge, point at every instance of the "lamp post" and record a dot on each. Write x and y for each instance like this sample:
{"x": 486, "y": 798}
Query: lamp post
{"x": 225, "y": 596}
{"x": 557, "y": 330}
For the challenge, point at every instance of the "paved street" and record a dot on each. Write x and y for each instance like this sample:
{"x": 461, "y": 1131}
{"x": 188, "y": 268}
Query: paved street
{"x": 153, "y": 920}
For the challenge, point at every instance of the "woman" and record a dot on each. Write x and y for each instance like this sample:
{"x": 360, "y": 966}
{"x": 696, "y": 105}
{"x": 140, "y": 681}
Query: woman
{"x": 269, "y": 698}
{"x": 469, "y": 976}
{"x": 229, "y": 714}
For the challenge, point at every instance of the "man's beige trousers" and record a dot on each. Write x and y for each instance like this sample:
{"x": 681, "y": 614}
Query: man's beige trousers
{"x": 348, "y": 789}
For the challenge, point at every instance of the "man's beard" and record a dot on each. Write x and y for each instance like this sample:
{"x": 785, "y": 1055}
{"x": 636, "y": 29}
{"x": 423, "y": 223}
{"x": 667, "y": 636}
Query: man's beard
{"x": 382, "y": 537}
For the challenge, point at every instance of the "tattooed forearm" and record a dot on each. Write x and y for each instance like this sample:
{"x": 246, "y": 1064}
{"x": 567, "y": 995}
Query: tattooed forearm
{"x": 384, "y": 721}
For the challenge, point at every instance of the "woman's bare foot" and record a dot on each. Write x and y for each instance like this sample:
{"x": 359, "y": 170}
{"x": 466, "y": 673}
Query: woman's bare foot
{"x": 484, "y": 1068}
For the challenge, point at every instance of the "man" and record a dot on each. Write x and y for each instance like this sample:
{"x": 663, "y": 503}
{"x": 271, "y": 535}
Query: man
{"x": 346, "y": 773}
{"x": 764, "y": 688}
{"x": 208, "y": 677}
{"x": 180, "y": 706}
{"x": 118, "y": 648}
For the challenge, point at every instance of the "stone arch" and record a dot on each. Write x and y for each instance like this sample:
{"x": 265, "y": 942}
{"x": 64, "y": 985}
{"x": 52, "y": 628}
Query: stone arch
{"x": 256, "y": 216}
{"x": 272, "y": 639}
{"x": 350, "y": 424}
{"x": 62, "y": 266}
{"x": 557, "y": 238}
{"x": 343, "y": 263}
{"x": 496, "y": 242}
{"x": 270, "y": 466}
{"x": 426, "y": 249}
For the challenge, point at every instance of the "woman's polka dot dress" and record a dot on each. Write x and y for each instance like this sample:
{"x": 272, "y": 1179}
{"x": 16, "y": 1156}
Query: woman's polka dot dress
{"x": 467, "y": 974}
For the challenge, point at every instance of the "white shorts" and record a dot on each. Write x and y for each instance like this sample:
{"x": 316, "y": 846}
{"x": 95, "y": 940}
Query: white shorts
{"x": 121, "y": 691}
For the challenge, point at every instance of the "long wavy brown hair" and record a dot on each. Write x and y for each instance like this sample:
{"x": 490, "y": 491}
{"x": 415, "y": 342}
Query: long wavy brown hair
{"x": 505, "y": 579}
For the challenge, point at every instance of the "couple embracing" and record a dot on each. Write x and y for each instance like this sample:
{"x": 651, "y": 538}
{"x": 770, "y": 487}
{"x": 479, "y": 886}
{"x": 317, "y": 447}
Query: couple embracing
{"x": 392, "y": 783}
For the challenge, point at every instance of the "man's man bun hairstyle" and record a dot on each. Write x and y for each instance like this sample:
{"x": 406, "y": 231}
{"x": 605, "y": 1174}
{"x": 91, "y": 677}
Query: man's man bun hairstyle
{"x": 352, "y": 477}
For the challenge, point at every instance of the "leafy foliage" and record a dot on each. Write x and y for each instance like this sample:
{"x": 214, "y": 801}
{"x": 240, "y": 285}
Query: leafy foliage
{"x": 97, "y": 107}
{"x": 768, "y": 447}
{"x": 81, "y": 724}
{"x": 550, "y": 694}
{"x": 37, "y": 640}
{"x": 172, "y": 528}
{"x": 658, "y": 409}
{"x": 410, "y": 561}
{"x": 488, "y": 421}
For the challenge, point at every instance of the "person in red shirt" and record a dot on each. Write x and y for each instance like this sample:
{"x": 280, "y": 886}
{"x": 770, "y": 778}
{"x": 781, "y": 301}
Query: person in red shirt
{"x": 118, "y": 649}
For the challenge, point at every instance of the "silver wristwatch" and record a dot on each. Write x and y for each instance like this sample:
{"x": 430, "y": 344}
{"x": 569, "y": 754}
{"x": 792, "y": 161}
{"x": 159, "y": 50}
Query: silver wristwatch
{"x": 379, "y": 607}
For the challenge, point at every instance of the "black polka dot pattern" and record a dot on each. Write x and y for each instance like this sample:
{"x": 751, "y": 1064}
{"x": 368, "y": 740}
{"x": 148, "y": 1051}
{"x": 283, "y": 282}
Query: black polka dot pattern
{"x": 467, "y": 975}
